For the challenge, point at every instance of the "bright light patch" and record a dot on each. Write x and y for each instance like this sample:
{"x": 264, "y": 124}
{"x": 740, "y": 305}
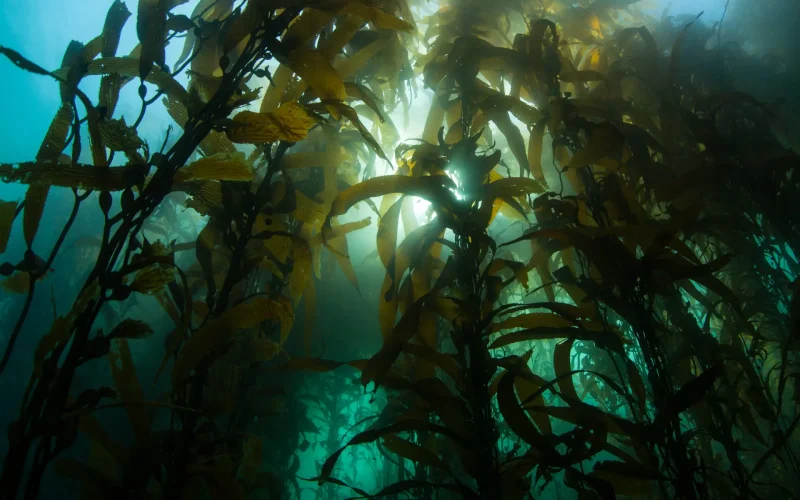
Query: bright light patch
{"x": 421, "y": 208}
{"x": 457, "y": 191}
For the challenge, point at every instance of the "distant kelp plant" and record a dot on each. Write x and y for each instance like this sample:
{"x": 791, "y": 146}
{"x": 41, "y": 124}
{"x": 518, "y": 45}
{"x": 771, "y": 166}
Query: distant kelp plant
{"x": 637, "y": 339}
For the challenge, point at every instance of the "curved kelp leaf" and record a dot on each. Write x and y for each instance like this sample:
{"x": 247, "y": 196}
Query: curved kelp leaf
{"x": 214, "y": 337}
{"x": 219, "y": 167}
{"x": 434, "y": 188}
{"x": 290, "y": 122}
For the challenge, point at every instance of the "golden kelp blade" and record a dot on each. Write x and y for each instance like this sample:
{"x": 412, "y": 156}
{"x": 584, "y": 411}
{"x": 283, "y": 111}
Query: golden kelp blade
{"x": 318, "y": 73}
{"x": 118, "y": 136}
{"x": 290, "y": 122}
{"x": 376, "y": 16}
{"x": 364, "y": 94}
{"x": 424, "y": 187}
{"x": 219, "y": 167}
{"x": 246, "y": 23}
{"x": 535, "y": 146}
{"x": 213, "y": 143}
{"x": 54, "y": 140}
{"x": 50, "y": 150}
{"x": 215, "y": 334}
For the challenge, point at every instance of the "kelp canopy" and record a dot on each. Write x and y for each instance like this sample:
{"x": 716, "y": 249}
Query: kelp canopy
{"x": 584, "y": 243}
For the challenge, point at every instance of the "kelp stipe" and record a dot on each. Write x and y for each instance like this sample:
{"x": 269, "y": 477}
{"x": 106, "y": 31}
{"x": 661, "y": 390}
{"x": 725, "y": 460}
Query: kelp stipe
{"x": 636, "y": 338}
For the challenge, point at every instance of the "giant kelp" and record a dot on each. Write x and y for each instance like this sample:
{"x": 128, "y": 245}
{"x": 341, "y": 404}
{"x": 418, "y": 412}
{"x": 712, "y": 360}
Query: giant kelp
{"x": 637, "y": 338}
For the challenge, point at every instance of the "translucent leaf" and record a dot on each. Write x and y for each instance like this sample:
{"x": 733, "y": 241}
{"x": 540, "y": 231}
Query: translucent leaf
{"x": 130, "y": 67}
{"x": 338, "y": 244}
{"x": 338, "y": 109}
{"x": 219, "y": 167}
{"x": 55, "y": 139}
{"x": 290, "y": 122}
{"x": 535, "y": 151}
{"x": 511, "y": 187}
{"x": 318, "y": 73}
{"x": 429, "y": 187}
{"x": 376, "y": 16}
{"x": 387, "y": 233}
{"x": 348, "y": 67}
{"x": 35, "y": 198}
{"x": 361, "y": 92}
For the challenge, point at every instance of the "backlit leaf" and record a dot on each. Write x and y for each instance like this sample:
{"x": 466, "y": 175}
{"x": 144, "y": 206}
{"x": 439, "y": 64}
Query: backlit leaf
{"x": 387, "y": 233}
{"x": 376, "y": 16}
{"x": 318, "y": 73}
{"x": 290, "y": 122}
{"x": 535, "y": 151}
{"x": 431, "y": 187}
{"x": 219, "y": 167}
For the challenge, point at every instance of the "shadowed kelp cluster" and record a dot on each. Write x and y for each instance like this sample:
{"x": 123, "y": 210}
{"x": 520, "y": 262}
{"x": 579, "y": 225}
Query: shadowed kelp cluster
{"x": 583, "y": 263}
